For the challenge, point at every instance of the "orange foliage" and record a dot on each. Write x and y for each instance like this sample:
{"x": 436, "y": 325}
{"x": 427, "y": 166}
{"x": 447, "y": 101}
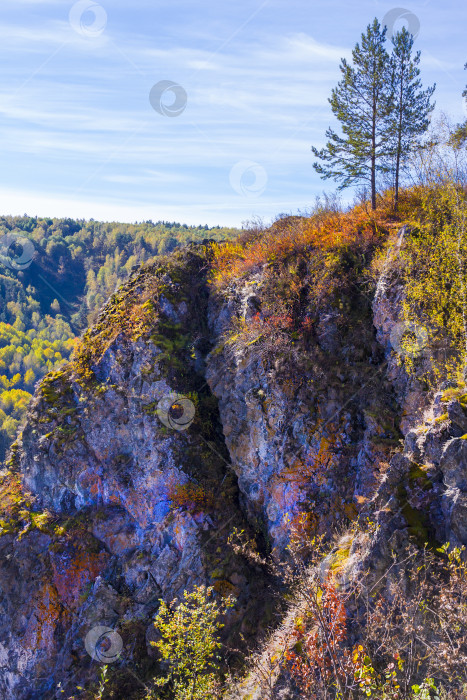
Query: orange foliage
{"x": 277, "y": 322}
{"x": 323, "y": 645}
{"x": 303, "y": 525}
{"x": 317, "y": 465}
{"x": 328, "y": 231}
{"x": 73, "y": 571}
{"x": 44, "y": 615}
{"x": 324, "y": 231}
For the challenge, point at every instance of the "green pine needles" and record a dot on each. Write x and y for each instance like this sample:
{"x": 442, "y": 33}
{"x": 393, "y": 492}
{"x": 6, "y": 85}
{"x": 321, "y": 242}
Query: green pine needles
{"x": 409, "y": 116}
{"x": 382, "y": 110}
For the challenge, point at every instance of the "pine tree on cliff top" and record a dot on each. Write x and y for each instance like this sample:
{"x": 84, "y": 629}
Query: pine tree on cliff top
{"x": 409, "y": 117}
{"x": 362, "y": 103}
{"x": 382, "y": 109}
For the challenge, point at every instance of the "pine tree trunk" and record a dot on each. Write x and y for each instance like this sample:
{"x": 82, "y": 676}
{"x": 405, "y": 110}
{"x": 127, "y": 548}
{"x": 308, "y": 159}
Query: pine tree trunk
{"x": 373, "y": 184}
{"x": 399, "y": 141}
{"x": 396, "y": 185}
{"x": 373, "y": 158}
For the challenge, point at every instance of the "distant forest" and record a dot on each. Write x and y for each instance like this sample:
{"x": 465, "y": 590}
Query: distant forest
{"x": 75, "y": 267}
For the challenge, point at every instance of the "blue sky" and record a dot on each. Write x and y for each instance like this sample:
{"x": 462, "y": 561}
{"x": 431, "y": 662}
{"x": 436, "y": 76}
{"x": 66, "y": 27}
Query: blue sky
{"x": 79, "y": 136}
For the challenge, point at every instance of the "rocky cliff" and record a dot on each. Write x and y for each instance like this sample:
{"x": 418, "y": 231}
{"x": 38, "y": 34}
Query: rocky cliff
{"x": 120, "y": 491}
{"x": 194, "y": 409}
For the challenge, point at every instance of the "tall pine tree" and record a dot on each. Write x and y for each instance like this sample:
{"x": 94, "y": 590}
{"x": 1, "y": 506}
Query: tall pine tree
{"x": 411, "y": 106}
{"x": 361, "y": 102}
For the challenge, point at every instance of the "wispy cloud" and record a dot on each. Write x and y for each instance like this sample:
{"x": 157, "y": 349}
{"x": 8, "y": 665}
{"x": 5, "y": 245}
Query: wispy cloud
{"x": 77, "y": 128}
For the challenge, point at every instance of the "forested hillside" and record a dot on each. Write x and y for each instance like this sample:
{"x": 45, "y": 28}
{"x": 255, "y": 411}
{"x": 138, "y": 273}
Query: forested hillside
{"x": 55, "y": 274}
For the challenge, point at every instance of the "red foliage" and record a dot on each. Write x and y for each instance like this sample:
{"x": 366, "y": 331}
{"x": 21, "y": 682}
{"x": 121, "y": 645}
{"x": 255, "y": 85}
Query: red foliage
{"x": 326, "y": 232}
{"x": 321, "y": 653}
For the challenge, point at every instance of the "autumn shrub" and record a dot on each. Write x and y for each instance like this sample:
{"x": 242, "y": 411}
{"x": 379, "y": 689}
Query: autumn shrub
{"x": 321, "y": 658}
{"x": 328, "y": 231}
{"x": 423, "y": 616}
{"x": 394, "y": 634}
{"x": 311, "y": 264}
{"x": 309, "y": 268}
{"x": 434, "y": 255}
{"x": 189, "y": 646}
{"x": 412, "y": 633}
{"x": 435, "y": 278}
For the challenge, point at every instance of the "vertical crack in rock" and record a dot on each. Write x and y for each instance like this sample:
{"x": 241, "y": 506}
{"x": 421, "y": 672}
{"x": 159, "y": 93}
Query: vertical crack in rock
{"x": 128, "y": 494}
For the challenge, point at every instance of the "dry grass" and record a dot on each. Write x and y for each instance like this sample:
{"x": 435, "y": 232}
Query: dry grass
{"x": 325, "y": 230}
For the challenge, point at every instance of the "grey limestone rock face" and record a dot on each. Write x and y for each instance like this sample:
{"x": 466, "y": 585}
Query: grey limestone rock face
{"x": 106, "y": 469}
{"x": 165, "y": 433}
{"x": 287, "y": 412}
{"x": 430, "y": 475}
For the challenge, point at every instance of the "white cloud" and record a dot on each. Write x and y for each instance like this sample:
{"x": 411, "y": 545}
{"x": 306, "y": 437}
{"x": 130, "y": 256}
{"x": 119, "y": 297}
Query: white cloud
{"x": 150, "y": 177}
{"x": 75, "y": 114}
{"x": 223, "y": 211}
